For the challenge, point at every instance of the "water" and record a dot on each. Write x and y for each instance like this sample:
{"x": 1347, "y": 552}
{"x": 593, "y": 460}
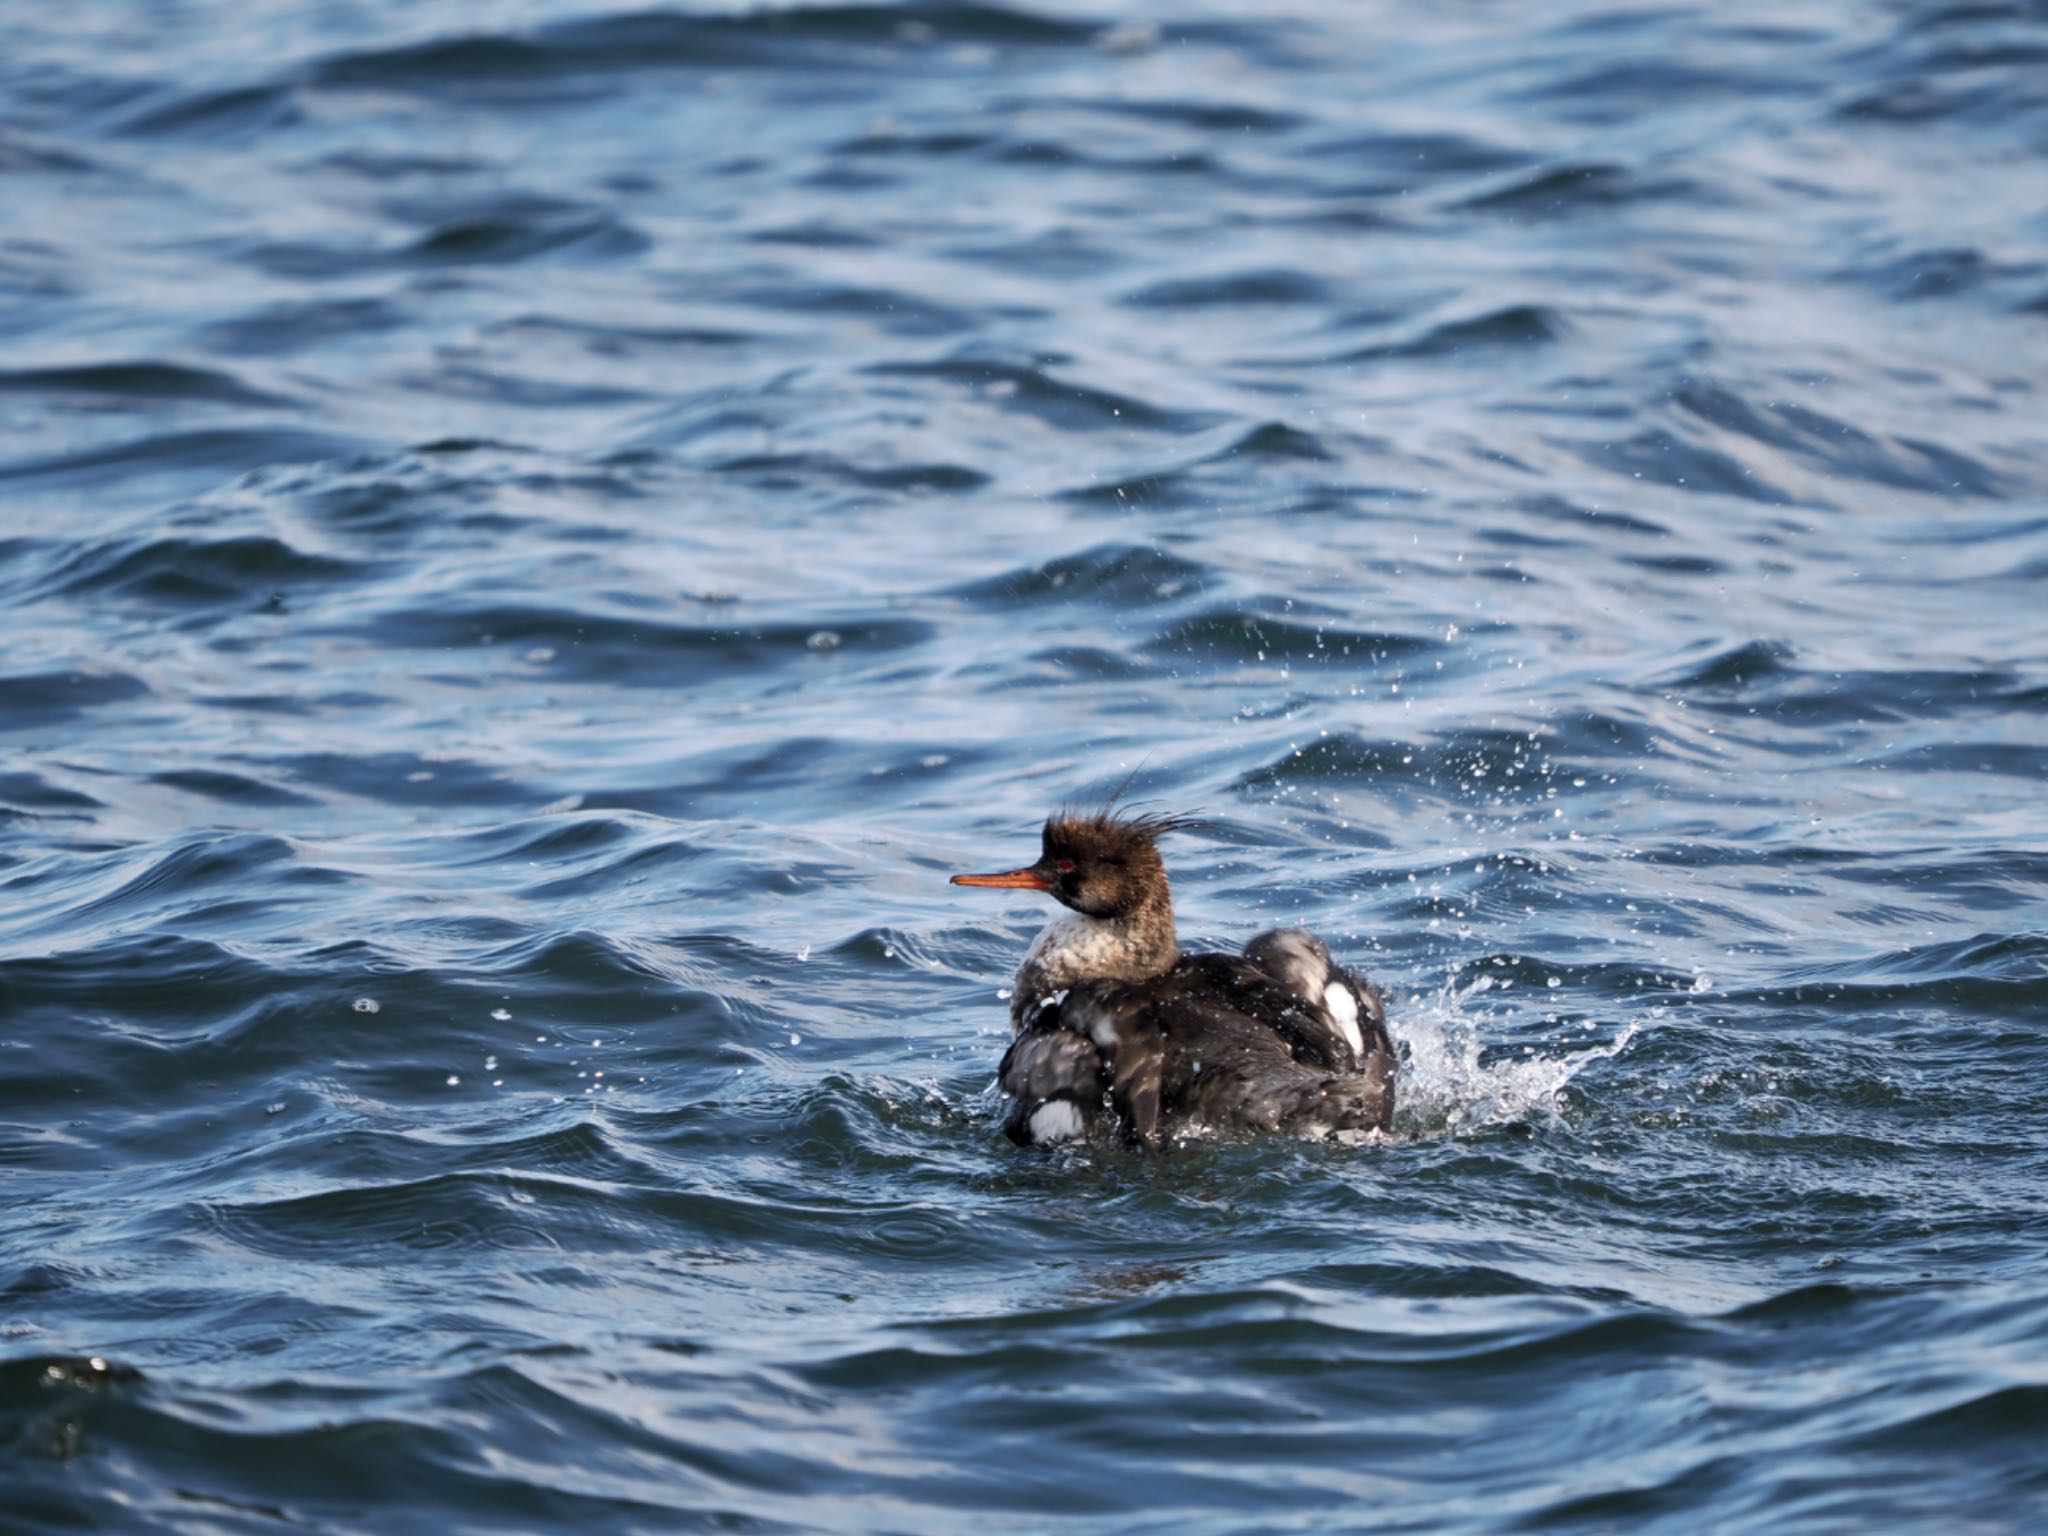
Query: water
{"x": 533, "y": 537}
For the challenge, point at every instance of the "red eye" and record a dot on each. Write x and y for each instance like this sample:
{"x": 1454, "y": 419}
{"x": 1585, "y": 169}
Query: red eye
{"x": 1065, "y": 866}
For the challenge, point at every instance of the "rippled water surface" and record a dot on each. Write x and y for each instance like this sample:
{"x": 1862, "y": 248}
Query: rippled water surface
{"x": 534, "y": 536}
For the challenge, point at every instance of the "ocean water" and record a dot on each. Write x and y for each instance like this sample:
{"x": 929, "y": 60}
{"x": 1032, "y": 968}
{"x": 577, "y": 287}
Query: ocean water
{"x": 535, "y": 535}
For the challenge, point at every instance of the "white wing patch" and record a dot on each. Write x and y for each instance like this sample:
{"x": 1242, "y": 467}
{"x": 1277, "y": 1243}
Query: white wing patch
{"x": 1343, "y": 1009}
{"x": 1055, "y": 1121}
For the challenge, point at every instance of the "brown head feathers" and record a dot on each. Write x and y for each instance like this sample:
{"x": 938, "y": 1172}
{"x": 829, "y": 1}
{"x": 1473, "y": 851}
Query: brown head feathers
{"x": 1103, "y": 863}
{"x": 1109, "y": 833}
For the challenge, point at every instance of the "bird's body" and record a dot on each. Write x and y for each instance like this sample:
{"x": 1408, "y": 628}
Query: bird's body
{"x": 1109, "y": 1017}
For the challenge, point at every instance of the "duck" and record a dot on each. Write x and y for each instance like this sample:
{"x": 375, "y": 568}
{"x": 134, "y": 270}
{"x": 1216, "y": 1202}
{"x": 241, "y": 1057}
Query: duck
{"x": 1113, "y": 1025}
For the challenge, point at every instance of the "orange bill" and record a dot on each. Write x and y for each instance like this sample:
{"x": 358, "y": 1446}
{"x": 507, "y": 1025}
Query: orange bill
{"x": 1019, "y": 879}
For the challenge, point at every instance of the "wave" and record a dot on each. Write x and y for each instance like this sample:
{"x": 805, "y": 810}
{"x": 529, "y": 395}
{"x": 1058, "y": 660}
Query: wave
{"x": 806, "y": 37}
{"x": 32, "y": 701}
{"x": 1043, "y": 393}
{"x": 213, "y": 455}
{"x": 1123, "y": 575}
{"x": 247, "y": 572}
{"x": 1569, "y": 190}
{"x": 235, "y": 114}
{"x": 1822, "y": 443}
{"x": 1513, "y": 326}
{"x": 1280, "y": 285}
{"x": 641, "y": 652}
{"x": 295, "y": 326}
{"x": 141, "y": 379}
{"x": 1225, "y": 635}
{"x": 483, "y": 239}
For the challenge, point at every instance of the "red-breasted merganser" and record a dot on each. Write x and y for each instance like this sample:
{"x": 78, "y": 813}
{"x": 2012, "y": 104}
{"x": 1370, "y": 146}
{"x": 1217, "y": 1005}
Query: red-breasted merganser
{"x": 1108, "y": 1013}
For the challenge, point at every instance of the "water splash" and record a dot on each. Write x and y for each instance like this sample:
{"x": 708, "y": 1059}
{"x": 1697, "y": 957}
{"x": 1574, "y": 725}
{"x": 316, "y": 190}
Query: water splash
{"x": 1452, "y": 1084}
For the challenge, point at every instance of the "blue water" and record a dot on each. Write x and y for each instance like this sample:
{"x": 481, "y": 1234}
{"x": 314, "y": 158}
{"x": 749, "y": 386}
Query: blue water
{"x": 534, "y": 536}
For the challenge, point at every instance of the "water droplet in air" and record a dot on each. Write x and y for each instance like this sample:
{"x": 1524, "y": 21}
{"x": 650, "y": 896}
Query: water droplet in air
{"x": 365, "y": 1005}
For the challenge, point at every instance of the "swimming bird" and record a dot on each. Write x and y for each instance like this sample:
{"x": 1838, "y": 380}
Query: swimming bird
{"x": 1109, "y": 1015}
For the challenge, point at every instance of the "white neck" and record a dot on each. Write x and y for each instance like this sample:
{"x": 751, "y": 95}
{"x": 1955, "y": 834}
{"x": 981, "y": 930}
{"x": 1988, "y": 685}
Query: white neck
{"x": 1076, "y": 948}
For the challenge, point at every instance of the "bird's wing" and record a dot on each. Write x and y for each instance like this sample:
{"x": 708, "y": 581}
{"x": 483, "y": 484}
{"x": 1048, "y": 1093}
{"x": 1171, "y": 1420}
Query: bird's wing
{"x": 1053, "y": 1078}
{"x": 1124, "y": 1025}
{"x": 1349, "y": 1017}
